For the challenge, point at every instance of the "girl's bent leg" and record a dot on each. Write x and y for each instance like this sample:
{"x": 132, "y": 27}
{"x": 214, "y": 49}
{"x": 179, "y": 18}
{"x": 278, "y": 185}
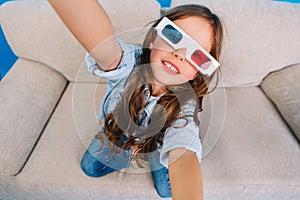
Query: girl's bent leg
{"x": 98, "y": 162}
{"x": 160, "y": 175}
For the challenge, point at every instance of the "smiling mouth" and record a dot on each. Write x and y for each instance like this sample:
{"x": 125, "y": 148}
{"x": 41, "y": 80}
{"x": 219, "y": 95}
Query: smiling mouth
{"x": 171, "y": 67}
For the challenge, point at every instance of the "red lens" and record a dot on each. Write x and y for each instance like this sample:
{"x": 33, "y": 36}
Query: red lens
{"x": 200, "y": 58}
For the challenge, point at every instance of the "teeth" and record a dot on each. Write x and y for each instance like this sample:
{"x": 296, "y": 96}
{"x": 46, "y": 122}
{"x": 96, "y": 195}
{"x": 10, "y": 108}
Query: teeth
{"x": 171, "y": 67}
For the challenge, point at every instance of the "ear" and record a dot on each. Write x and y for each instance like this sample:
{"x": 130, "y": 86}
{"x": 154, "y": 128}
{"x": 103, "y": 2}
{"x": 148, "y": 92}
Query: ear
{"x": 196, "y": 74}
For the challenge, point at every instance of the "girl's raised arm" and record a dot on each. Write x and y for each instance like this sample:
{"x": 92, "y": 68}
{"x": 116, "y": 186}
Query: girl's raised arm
{"x": 185, "y": 175}
{"x": 92, "y": 27}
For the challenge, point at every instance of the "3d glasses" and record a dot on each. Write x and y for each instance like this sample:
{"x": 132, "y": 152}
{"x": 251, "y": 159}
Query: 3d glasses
{"x": 195, "y": 53}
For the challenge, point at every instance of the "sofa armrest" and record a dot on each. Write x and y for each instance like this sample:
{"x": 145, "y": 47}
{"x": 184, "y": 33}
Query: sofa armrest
{"x": 283, "y": 88}
{"x": 29, "y": 94}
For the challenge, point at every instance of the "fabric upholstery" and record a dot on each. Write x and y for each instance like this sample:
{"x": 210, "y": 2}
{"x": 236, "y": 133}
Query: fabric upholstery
{"x": 57, "y": 47}
{"x": 260, "y": 36}
{"x": 283, "y": 88}
{"x": 7, "y": 187}
{"x": 56, "y": 159}
{"x": 29, "y": 94}
{"x": 249, "y": 150}
{"x": 256, "y": 156}
{"x": 231, "y": 168}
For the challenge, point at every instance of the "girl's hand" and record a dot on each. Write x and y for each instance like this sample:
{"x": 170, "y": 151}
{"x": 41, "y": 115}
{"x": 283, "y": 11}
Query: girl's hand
{"x": 185, "y": 175}
{"x": 92, "y": 27}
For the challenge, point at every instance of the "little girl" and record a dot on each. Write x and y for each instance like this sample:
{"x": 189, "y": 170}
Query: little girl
{"x": 154, "y": 92}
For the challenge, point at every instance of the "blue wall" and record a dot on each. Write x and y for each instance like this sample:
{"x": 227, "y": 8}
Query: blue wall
{"x": 7, "y": 57}
{"x": 165, "y": 3}
{"x": 291, "y": 1}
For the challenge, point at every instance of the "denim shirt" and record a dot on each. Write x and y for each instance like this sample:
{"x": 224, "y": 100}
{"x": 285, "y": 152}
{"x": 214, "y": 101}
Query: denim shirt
{"x": 177, "y": 135}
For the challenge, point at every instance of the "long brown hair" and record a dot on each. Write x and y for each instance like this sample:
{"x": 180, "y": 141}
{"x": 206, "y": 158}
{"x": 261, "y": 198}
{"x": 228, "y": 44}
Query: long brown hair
{"x": 125, "y": 120}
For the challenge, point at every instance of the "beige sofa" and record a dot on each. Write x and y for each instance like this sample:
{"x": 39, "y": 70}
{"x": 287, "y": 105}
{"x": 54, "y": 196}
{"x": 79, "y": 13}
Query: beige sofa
{"x": 250, "y": 126}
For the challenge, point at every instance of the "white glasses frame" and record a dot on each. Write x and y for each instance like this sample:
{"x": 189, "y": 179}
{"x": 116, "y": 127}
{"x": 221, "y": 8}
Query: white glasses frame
{"x": 177, "y": 39}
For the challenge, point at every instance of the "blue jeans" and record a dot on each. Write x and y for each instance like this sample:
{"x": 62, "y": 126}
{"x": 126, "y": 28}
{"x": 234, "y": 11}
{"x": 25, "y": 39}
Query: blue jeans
{"x": 97, "y": 163}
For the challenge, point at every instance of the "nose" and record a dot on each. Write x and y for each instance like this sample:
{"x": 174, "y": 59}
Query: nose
{"x": 179, "y": 54}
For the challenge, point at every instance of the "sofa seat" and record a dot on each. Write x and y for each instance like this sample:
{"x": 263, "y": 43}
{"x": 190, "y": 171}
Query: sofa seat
{"x": 257, "y": 155}
{"x": 54, "y": 166}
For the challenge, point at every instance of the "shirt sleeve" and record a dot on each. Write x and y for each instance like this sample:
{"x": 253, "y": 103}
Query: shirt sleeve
{"x": 130, "y": 52}
{"x": 183, "y": 134}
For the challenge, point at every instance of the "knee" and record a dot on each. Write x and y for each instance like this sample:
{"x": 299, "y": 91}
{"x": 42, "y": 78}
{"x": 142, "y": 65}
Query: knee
{"x": 162, "y": 182}
{"x": 88, "y": 168}
{"x": 94, "y": 168}
{"x": 164, "y": 191}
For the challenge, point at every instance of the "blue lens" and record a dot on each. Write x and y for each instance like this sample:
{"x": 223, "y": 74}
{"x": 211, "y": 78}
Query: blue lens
{"x": 172, "y": 34}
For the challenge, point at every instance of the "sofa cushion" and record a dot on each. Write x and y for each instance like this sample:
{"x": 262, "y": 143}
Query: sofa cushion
{"x": 260, "y": 36}
{"x": 46, "y": 39}
{"x": 29, "y": 94}
{"x": 251, "y": 158}
{"x": 53, "y": 171}
{"x": 283, "y": 88}
{"x": 256, "y": 156}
